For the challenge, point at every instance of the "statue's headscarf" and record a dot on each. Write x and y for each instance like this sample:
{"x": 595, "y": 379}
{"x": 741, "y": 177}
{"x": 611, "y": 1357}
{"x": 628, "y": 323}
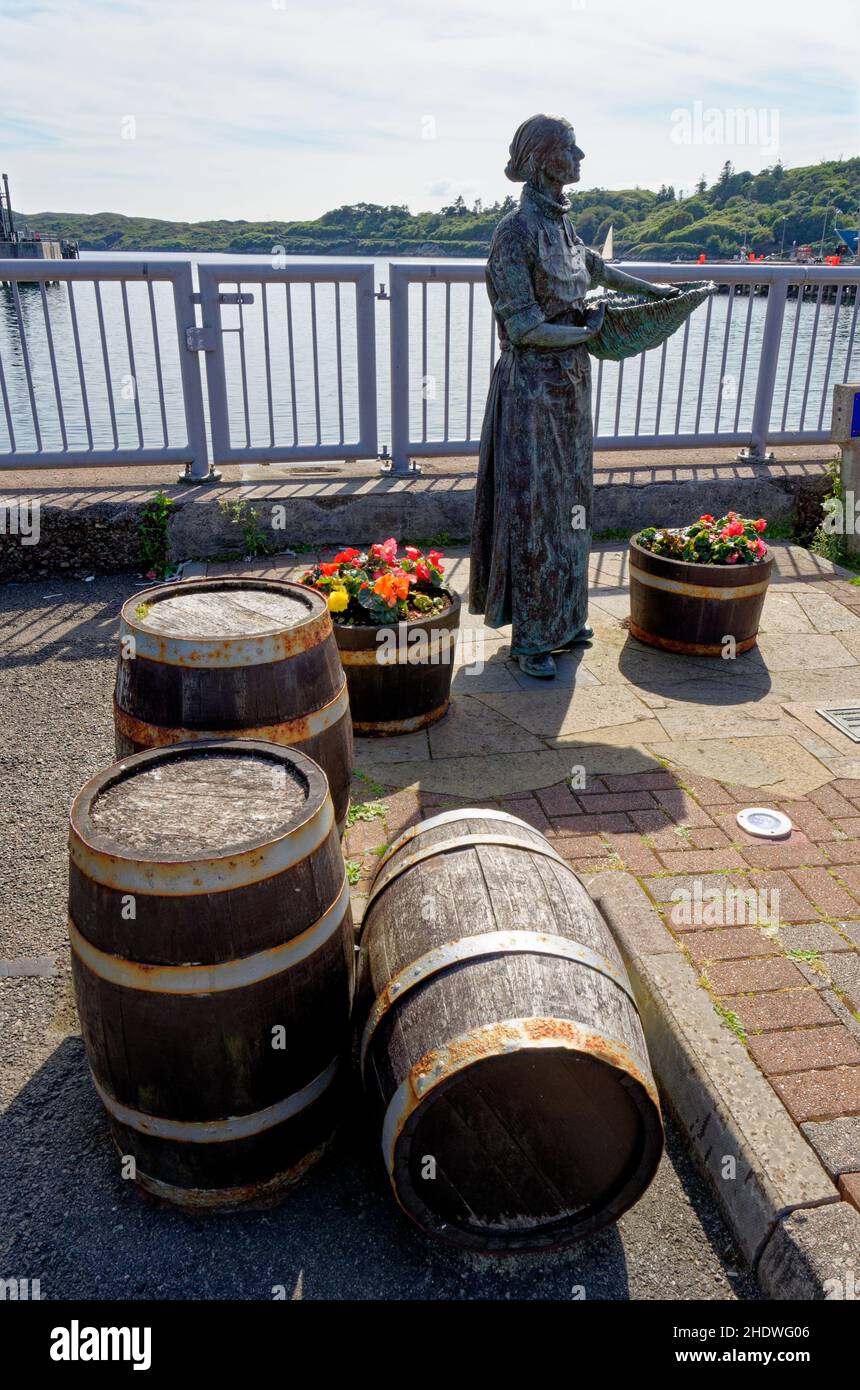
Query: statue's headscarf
{"x": 534, "y": 141}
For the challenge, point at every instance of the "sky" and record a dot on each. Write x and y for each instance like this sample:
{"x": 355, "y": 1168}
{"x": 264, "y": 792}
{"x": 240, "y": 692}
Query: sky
{"x": 281, "y": 109}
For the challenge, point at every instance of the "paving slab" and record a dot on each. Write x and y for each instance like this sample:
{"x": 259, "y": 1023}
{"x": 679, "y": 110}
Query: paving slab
{"x": 576, "y": 711}
{"x": 759, "y": 1162}
{"x": 470, "y": 726}
{"x": 837, "y": 1143}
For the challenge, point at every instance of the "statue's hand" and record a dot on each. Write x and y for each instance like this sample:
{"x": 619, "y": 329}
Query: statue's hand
{"x": 594, "y": 319}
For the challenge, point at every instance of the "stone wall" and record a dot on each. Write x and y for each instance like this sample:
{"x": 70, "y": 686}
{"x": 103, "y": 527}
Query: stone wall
{"x": 82, "y": 538}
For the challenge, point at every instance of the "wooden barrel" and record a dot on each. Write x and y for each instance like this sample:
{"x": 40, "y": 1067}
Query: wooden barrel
{"x": 501, "y": 1043}
{"x": 234, "y": 658}
{"x": 212, "y": 957}
{"x": 690, "y": 608}
{"x": 399, "y": 675}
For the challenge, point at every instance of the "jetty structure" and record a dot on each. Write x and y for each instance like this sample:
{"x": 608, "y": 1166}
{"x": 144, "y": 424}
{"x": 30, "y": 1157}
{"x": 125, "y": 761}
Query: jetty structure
{"x": 24, "y": 243}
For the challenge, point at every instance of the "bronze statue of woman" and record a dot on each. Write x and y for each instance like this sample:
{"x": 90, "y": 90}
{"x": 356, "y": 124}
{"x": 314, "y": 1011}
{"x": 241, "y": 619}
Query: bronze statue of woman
{"x": 532, "y": 529}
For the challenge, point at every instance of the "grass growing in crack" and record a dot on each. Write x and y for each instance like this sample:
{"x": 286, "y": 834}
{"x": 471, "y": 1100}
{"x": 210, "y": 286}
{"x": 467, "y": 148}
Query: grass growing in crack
{"x": 444, "y": 538}
{"x": 782, "y": 529}
{"x": 370, "y": 782}
{"x": 731, "y": 1021}
{"x": 810, "y": 956}
{"x": 353, "y": 870}
{"x": 380, "y": 850}
{"x": 365, "y": 810}
{"x": 614, "y": 533}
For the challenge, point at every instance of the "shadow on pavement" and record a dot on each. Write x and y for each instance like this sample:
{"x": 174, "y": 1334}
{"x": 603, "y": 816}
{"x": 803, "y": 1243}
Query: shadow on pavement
{"x": 701, "y": 680}
{"x": 75, "y": 1224}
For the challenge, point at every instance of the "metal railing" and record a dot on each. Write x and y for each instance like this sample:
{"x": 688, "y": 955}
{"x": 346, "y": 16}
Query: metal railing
{"x": 291, "y": 371}
{"x": 96, "y": 368}
{"x": 119, "y": 361}
{"x": 752, "y": 366}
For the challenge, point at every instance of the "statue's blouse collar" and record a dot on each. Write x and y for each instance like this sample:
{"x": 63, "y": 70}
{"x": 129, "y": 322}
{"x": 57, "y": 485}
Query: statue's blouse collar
{"x": 549, "y": 207}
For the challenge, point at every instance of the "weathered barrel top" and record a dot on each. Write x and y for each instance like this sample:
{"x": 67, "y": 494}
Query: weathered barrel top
{"x": 224, "y": 613}
{"x": 201, "y": 802}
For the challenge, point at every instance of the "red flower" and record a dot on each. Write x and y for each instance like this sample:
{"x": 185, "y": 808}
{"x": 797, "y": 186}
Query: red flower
{"x": 345, "y": 556}
{"x": 413, "y": 553}
{"x": 387, "y": 551}
{"x": 760, "y": 547}
{"x": 730, "y": 559}
{"x": 422, "y": 572}
{"x": 734, "y": 528}
{"x": 707, "y": 519}
{"x": 760, "y": 525}
{"x": 331, "y": 568}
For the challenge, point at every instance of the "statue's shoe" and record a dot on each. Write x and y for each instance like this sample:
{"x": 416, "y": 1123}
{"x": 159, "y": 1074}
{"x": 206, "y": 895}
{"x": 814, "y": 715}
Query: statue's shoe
{"x": 585, "y": 634}
{"x": 541, "y": 665}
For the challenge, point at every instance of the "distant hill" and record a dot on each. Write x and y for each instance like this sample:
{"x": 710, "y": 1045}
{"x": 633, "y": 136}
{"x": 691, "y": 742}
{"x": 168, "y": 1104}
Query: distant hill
{"x": 648, "y": 226}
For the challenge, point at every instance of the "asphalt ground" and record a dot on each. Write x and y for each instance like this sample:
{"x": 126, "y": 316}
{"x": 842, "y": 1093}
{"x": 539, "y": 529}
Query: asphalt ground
{"x": 67, "y": 1217}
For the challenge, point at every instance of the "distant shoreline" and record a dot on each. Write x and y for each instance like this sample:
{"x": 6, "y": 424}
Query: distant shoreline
{"x": 766, "y": 213}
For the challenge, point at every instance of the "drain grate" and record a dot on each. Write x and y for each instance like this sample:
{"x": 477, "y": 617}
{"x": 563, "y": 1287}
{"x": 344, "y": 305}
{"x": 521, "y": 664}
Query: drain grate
{"x": 846, "y": 720}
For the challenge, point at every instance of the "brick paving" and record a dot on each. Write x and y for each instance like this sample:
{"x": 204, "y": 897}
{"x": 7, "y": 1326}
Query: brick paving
{"x": 671, "y": 749}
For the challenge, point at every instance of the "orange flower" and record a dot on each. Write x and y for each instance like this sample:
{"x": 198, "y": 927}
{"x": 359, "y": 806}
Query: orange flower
{"x": 392, "y": 586}
{"x": 384, "y": 586}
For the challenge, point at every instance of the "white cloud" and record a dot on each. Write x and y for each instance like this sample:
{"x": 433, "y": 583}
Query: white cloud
{"x": 255, "y": 111}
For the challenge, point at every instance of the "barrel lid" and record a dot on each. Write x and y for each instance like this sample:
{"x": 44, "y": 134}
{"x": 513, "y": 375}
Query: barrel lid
{"x": 225, "y": 622}
{"x": 565, "y": 1134}
{"x": 199, "y": 816}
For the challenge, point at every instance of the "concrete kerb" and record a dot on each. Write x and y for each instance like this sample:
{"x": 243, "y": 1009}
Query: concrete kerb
{"x": 786, "y": 1215}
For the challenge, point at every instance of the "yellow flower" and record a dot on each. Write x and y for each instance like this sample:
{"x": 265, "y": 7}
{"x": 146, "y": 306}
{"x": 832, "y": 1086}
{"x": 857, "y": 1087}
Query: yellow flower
{"x": 338, "y": 600}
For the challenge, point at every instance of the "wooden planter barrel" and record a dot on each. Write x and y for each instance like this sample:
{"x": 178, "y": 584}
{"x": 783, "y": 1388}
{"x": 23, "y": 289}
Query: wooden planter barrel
{"x": 234, "y": 658}
{"x": 501, "y": 1045}
{"x": 691, "y": 609}
{"x": 212, "y": 958}
{"x": 399, "y": 676}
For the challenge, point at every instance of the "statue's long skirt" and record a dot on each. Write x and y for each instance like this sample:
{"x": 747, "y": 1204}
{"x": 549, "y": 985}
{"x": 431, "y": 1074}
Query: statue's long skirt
{"x": 532, "y": 528}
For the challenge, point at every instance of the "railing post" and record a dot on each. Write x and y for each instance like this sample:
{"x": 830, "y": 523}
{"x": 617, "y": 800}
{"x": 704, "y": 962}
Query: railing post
{"x": 399, "y": 356}
{"x": 768, "y": 359}
{"x": 365, "y": 325}
{"x": 200, "y": 469}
